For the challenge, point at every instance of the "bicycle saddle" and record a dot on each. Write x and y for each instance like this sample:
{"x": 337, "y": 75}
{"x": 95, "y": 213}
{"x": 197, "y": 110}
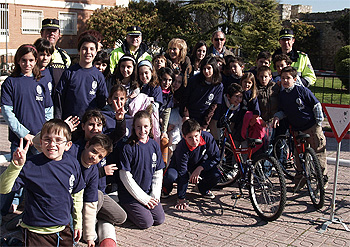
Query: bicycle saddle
{"x": 254, "y": 141}
{"x": 302, "y": 135}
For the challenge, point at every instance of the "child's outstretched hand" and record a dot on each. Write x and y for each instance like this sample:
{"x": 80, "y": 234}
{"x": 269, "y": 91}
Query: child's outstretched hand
{"x": 19, "y": 156}
{"x": 181, "y": 204}
{"x": 153, "y": 202}
{"x": 119, "y": 110}
{"x": 72, "y": 122}
{"x": 109, "y": 169}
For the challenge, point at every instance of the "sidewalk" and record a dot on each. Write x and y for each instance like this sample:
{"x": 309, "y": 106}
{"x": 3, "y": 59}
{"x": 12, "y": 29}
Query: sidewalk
{"x": 217, "y": 223}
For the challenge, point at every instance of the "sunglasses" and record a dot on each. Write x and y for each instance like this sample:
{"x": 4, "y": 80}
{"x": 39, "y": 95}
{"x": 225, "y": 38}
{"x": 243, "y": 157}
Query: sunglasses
{"x": 217, "y": 39}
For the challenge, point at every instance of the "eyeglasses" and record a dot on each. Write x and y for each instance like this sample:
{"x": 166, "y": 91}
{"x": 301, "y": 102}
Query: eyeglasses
{"x": 217, "y": 39}
{"x": 49, "y": 141}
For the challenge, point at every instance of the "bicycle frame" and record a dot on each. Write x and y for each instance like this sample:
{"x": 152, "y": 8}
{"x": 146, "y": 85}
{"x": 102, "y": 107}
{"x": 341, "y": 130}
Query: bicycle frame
{"x": 236, "y": 151}
{"x": 299, "y": 145}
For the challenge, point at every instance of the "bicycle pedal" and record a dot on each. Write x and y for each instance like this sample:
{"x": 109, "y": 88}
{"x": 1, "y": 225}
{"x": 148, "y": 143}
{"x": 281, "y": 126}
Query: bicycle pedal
{"x": 236, "y": 196}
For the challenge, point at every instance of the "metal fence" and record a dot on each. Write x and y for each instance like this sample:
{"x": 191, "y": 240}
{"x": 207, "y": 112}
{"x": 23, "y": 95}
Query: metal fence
{"x": 329, "y": 88}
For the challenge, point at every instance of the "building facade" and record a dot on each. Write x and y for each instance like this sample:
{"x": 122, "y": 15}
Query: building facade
{"x": 21, "y": 21}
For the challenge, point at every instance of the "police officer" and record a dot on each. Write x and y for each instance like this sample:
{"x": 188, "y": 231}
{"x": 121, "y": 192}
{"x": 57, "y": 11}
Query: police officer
{"x": 300, "y": 60}
{"x": 132, "y": 45}
{"x": 50, "y": 30}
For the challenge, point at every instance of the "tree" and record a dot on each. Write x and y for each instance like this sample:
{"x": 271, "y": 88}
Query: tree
{"x": 160, "y": 22}
{"x": 252, "y": 25}
{"x": 342, "y": 25}
{"x": 306, "y": 37}
{"x": 112, "y": 23}
{"x": 226, "y": 15}
{"x": 260, "y": 32}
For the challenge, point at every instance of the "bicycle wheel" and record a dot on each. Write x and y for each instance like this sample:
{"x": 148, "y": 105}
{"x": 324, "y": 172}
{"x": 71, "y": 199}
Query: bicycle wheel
{"x": 283, "y": 153}
{"x": 227, "y": 167}
{"x": 267, "y": 187}
{"x": 314, "y": 178}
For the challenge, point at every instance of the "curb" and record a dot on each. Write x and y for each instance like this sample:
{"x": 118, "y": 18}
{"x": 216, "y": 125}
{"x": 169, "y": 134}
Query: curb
{"x": 331, "y": 135}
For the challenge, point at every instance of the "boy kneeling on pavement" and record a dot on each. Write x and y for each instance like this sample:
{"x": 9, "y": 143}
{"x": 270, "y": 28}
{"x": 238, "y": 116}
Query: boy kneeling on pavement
{"x": 194, "y": 160}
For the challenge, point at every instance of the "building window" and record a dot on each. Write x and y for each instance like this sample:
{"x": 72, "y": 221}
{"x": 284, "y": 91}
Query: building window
{"x": 4, "y": 20}
{"x": 68, "y": 23}
{"x": 31, "y": 21}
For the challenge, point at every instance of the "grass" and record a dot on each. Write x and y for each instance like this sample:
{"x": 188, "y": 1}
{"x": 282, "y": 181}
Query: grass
{"x": 330, "y": 90}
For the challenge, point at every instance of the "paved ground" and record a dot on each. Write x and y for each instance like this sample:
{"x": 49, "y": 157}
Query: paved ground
{"x": 218, "y": 223}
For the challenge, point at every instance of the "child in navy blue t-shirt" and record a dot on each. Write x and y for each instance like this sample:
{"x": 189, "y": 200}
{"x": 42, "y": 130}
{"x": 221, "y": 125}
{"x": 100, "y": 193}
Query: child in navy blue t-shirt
{"x": 114, "y": 112}
{"x": 166, "y": 77}
{"x": 194, "y": 160}
{"x": 304, "y": 113}
{"x": 148, "y": 80}
{"x": 203, "y": 93}
{"x": 54, "y": 188}
{"x": 82, "y": 86}
{"x": 125, "y": 75}
{"x": 45, "y": 50}
{"x": 26, "y": 105}
{"x": 141, "y": 173}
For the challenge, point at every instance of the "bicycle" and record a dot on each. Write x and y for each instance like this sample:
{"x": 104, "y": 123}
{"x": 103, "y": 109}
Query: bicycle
{"x": 310, "y": 164}
{"x": 262, "y": 176}
{"x": 283, "y": 150}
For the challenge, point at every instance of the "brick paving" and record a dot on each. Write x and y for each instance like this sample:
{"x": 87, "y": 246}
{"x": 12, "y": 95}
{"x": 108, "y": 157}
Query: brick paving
{"x": 217, "y": 223}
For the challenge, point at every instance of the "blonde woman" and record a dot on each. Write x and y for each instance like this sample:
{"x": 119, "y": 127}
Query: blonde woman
{"x": 178, "y": 59}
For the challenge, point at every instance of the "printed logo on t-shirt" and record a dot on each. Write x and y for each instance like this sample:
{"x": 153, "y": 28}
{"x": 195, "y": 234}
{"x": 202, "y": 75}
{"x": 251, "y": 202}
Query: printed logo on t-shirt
{"x": 39, "y": 91}
{"x": 154, "y": 160}
{"x": 210, "y": 99}
{"x": 300, "y": 104}
{"x": 71, "y": 183}
{"x": 93, "y": 88}
{"x": 103, "y": 162}
{"x": 49, "y": 85}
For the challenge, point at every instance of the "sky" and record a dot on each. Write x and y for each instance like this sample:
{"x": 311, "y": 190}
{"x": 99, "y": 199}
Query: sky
{"x": 321, "y": 5}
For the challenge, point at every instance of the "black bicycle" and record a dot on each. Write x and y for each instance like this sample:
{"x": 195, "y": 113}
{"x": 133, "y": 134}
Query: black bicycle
{"x": 262, "y": 176}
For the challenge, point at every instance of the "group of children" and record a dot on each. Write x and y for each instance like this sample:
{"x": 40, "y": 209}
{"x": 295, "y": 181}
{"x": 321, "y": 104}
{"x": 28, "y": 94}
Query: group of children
{"x": 124, "y": 116}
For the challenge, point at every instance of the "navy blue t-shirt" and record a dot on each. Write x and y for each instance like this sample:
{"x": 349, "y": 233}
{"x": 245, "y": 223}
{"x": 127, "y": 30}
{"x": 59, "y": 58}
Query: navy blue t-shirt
{"x": 91, "y": 178}
{"x": 47, "y": 79}
{"x": 250, "y": 105}
{"x": 167, "y": 101}
{"x": 199, "y": 96}
{"x": 29, "y": 98}
{"x": 78, "y": 90}
{"x": 184, "y": 160}
{"x": 298, "y": 106}
{"x": 49, "y": 185}
{"x": 155, "y": 92}
{"x": 228, "y": 80}
{"x": 142, "y": 160}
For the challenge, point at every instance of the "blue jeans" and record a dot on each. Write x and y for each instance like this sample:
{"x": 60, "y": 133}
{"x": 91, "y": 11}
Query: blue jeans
{"x": 209, "y": 179}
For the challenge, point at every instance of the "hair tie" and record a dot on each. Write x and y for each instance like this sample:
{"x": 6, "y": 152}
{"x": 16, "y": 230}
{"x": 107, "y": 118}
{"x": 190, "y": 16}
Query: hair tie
{"x": 31, "y": 46}
{"x": 145, "y": 63}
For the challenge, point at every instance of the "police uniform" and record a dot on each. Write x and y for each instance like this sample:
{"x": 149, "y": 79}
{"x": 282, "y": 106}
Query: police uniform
{"x": 300, "y": 61}
{"x": 60, "y": 59}
{"x": 140, "y": 54}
